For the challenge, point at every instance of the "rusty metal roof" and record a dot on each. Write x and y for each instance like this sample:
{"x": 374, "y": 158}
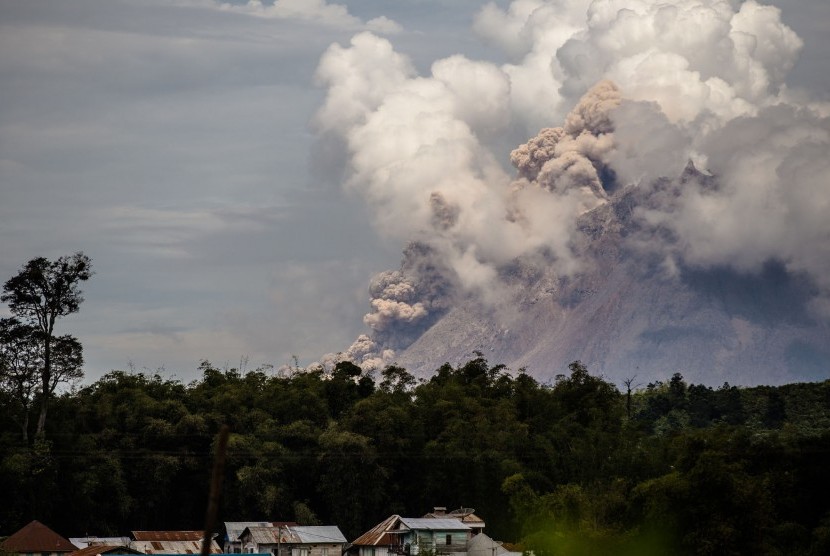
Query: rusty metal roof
{"x": 379, "y": 534}
{"x": 387, "y": 531}
{"x": 467, "y": 515}
{"x": 168, "y": 535}
{"x": 267, "y": 535}
{"x": 83, "y": 542}
{"x": 97, "y": 550}
{"x": 173, "y": 547}
{"x": 235, "y": 528}
{"x": 36, "y": 537}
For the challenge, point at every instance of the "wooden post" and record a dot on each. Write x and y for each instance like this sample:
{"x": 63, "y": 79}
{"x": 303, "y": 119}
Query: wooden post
{"x": 215, "y": 489}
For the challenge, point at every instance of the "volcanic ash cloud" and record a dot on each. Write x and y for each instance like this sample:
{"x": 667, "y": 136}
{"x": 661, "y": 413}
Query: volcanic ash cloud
{"x": 641, "y": 88}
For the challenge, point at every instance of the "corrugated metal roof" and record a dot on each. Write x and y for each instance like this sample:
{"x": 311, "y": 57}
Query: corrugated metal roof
{"x": 168, "y": 535}
{"x": 266, "y": 534}
{"x": 235, "y": 528}
{"x": 83, "y": 542}
{"x": 434, "y": 524}
{"x": 382, "y": 533}
{"x": 173, "y": 547}
{"x": 379, "y": 534}
{"x": 298, "y": 534}
{"x": 318, "y": 534}
{"x": 97, "y": 549}
{"x": 36, "y": 537}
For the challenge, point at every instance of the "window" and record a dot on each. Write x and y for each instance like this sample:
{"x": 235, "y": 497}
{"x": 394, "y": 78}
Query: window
{"x": 324, "y": 551}
{"x": 449, "y": 539}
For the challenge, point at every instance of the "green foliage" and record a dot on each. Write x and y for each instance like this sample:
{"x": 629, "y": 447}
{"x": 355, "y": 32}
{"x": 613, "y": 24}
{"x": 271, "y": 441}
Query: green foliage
{"x": 38, "y": 295}
{"x": 563, "y": 468}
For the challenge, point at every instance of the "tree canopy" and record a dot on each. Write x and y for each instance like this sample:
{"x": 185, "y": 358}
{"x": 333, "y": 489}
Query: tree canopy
{"x": 39, "y": 294}
{"x": 559, "y": 467}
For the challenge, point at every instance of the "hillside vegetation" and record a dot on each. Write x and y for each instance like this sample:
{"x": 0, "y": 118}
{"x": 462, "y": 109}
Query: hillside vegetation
{"x": 576, "y": 466}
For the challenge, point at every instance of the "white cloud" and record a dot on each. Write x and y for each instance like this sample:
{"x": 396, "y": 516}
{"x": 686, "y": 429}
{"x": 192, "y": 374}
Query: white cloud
{"x": 317, "y": 11}
{"x": 773, "y": 202}
{"x": 689, "y": 75}
{"x": 161, "y": 111}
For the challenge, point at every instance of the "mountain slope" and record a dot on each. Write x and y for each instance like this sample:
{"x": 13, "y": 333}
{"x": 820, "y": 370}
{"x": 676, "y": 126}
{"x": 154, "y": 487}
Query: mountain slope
{"x": 623, "y": 316}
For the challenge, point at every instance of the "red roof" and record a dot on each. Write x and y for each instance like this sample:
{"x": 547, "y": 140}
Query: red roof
{"x": 168, "y": 535}
{"x": 36, "y": 537}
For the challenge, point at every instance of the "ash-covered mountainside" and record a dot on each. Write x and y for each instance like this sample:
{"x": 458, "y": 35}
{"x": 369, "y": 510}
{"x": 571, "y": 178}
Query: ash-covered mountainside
{"x": 603, "y": 243}
{"x": 618, "y": 294}
{"x": 625, "y": 314}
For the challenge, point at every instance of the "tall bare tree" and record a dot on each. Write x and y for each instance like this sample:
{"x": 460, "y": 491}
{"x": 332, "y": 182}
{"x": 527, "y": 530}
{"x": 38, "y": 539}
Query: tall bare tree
{"x": 39, "y": 294}
{"x": 628, "y": 387}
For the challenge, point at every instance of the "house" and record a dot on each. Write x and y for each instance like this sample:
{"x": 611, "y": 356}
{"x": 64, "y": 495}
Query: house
{"x": 233, "y": 529}
{"x": 410, "y": 536}
{"x": 466, "y": 515}
{"x": 294, "y": 540}
{"x": 102, "y": 549}
{"x": 171, "y": 542}
{"x": 36, "y": 539}
{"x": 83, "y": 542}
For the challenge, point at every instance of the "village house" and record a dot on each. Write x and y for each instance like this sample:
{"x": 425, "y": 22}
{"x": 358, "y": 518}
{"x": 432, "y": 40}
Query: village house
{"x": 233, "y": 529}
{"x": 36, "y": 539}
{"x": 104, "y": 550}
{"x": 171, "y": 542}
{"x": 293, "y": 540}
{"x": 89, "y": 540}
{"x": 466, "y": 515}
{"x": 410, "y": 536}
{"x": 438, "y": 533}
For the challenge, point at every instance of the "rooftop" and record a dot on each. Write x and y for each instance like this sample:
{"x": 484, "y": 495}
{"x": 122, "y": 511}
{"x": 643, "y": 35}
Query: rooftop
{"x": 168, "y": 535}
{"x": 36, "y": 537}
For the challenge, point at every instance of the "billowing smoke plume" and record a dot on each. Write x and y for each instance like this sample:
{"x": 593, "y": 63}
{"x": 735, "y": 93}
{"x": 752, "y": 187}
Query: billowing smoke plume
{"x": 404, "y": 303}
{"x": 642, "y": 88}
{"x": 573, "y": 157}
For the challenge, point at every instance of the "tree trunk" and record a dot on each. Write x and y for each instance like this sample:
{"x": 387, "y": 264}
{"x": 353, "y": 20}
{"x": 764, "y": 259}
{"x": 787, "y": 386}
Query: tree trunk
{"x": 24, "y": 427}
{"x": 45, "y": 392}
{"x": 41, "y": 420}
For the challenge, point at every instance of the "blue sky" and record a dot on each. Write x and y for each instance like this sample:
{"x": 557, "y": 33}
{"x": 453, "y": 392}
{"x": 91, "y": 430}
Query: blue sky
{"x": 173, "y": 142}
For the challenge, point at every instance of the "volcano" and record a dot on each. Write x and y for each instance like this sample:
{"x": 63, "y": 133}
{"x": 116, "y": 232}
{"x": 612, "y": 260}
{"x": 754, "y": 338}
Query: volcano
{"x": 626, "y": 316}
{"x": 675, "y": 220}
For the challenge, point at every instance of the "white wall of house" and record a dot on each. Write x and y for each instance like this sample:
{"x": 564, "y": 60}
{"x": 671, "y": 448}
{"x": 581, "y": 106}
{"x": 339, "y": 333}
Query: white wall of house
{"x": 374, "y": 551}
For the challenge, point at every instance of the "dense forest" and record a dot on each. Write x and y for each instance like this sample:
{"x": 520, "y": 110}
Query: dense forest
{"x": 576, "y": 466}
